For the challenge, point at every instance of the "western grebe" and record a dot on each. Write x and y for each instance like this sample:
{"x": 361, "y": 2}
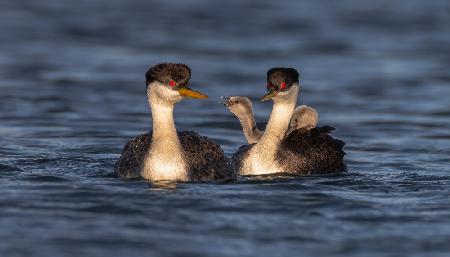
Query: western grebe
{"x": 302, "y": 151}
{"x": 164, "y": 153}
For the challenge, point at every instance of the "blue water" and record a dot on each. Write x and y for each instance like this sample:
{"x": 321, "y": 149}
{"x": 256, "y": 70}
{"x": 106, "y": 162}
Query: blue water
{"x": 72, "y": 92}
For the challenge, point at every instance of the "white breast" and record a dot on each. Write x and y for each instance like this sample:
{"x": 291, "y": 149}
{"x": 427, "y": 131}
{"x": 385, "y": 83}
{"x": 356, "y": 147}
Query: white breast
{"x": 259, "y": 161}
{"x": 164, "y": 163}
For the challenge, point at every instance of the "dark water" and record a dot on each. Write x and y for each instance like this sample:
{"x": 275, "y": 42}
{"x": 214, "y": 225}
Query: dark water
{"x": 72, "y": 93}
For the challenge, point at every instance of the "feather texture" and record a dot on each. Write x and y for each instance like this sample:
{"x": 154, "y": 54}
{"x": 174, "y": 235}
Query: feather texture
{"x": 304, "y": 152}
{"x": 205, "y": 159}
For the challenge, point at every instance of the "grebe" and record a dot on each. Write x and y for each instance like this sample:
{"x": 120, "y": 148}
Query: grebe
{"x": 165, "y": 154}
{"x": 304, "y": 117}
{"x": 302, "y": 151}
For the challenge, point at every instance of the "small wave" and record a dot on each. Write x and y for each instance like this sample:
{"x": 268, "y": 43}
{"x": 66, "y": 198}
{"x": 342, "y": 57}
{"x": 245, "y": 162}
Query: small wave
{"x": 46, "y": 178}
{"x": 7, "y": 168}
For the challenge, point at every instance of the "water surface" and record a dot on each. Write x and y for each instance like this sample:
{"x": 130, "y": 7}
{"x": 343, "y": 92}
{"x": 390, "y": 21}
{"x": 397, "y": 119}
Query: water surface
{"x": 72, "y": 92}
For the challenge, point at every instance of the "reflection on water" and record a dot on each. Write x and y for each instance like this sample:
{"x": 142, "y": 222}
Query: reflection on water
{"x": 72, "y": 92}
{"x": 163, "y": 185}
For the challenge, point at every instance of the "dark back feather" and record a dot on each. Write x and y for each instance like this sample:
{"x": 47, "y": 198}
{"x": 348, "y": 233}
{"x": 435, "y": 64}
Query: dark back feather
{"x": 239, "y": 156}
{"x": 312, "y": 151}
{"x": 205, "y": 159}
{"x": 131, "y": 160}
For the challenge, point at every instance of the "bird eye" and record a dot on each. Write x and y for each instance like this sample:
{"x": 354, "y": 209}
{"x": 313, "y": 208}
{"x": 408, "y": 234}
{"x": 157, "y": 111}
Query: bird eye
{"x": 172, "y": 83}
{"x": 282, "y": 86}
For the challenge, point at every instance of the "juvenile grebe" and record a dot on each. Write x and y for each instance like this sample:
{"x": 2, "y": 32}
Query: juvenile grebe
{"x": 304, "y": 117}
{"x": 302, "y": 151}
{"x": 164, "y": 153}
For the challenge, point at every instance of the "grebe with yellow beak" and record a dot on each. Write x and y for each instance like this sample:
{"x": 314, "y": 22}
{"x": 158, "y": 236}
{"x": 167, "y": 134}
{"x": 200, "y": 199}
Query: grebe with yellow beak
{"x": 165, "y": 154}
{"x": 300, "y": 152}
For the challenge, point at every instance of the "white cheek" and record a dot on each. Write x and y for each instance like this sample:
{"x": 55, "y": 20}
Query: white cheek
{"x": 168, "y": 94}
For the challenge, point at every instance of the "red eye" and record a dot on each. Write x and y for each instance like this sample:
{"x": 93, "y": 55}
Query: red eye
{"x": 172, "y": 83}
{"x": 282, "y": 86}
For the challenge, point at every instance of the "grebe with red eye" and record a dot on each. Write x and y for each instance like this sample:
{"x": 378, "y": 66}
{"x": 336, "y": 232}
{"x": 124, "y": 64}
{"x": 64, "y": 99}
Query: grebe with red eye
{"x": 300, "y": 151}
{"x": 165, "y": 154}
{"x": 304, "y": 117}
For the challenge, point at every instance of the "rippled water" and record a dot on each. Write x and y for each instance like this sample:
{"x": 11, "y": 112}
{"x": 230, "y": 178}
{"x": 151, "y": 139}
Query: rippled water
{"x": 72, "y": 92}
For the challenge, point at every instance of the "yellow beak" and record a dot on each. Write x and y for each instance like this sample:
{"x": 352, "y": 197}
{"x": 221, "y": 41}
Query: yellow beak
{"x": 187, "y": 92}
{"x": 269, "y": 96}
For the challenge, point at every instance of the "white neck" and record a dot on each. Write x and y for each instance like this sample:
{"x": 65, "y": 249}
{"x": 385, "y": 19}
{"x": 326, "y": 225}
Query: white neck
{"x": 263, "y": 154}
{"x": 283, "y": 108}
{"x": 165, "y": 159}
{"x": 163, "y": 122}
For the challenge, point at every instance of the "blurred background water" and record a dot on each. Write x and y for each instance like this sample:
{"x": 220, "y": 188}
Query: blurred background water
{"x": 72, "y": 92}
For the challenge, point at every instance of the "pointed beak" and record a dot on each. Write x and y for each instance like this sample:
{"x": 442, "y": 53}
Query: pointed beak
{"x": 269, "y": 95}
{"x": 225, "y": 101}
{"x": 187, "y": 92}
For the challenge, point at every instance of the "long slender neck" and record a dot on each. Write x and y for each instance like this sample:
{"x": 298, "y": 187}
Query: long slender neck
{"x": 262, "y": 158}
{"x": 163, "y": 122}
{"x": 278, "y": 124}
{"x": 165, "y": 160}
{"x": 248, "y": 123}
